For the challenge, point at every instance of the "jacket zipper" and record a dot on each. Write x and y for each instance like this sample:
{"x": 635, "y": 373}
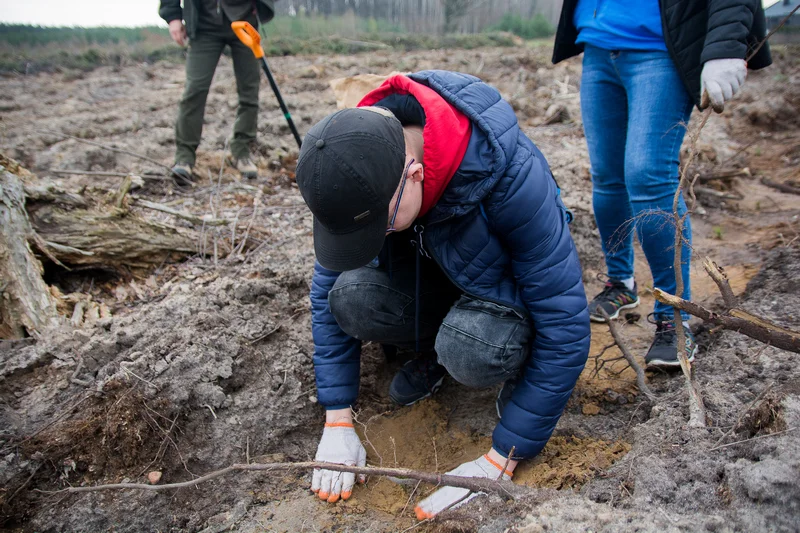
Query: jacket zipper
{"x": 419, "y": 229}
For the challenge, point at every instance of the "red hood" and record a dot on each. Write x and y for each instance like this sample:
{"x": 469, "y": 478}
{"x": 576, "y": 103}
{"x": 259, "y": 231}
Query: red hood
{"x": 446, "y": 134}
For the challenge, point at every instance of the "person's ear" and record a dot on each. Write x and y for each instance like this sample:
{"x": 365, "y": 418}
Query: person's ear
{"x": 415, "y": 172}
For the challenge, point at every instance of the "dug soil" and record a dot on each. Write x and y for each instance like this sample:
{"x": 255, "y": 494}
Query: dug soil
{"x": 207, "y": 361}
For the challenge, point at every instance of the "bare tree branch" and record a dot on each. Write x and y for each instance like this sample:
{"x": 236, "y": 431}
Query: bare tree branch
{"x": 737, "y": 320}
{"x": 640, "y": 378}
{"x": 503, "y": 488}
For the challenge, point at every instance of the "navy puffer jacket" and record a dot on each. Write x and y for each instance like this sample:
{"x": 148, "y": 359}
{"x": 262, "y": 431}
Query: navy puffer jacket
{"x": 500, "y": 233}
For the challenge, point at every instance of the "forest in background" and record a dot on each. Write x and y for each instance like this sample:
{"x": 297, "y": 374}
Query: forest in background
{"x": 310, "y": 26}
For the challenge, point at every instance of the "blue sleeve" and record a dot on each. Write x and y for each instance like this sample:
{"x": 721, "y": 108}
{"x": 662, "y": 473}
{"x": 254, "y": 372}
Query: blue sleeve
{"x": 526, "y": 211}
{"x": 337, "y": 356}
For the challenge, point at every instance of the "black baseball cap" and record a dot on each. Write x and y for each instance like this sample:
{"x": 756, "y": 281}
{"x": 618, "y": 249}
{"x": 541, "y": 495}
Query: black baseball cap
{"x": 349, "y": 168}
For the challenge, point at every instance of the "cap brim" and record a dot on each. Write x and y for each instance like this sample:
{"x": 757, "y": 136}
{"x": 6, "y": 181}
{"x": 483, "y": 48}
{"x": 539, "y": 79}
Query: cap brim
{"x": 349, "y": 251}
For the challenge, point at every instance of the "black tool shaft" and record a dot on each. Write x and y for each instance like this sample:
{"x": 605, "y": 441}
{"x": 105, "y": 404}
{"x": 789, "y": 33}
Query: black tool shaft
{"x": 281, "y": 102}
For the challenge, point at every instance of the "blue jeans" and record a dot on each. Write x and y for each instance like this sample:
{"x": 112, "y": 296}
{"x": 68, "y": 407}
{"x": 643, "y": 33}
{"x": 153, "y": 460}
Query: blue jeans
{"x": 635, "y": 109}
{"x": 480, "y": 343}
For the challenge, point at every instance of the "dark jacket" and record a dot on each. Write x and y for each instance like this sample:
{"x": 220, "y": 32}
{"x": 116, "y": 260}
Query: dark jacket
{"x": 695, "y": 31}
{"x": 499, "y": 232}
{"x": 171, "y": 10}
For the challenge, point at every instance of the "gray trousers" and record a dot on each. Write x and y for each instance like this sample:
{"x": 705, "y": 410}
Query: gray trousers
{"x": 480, "y": 343}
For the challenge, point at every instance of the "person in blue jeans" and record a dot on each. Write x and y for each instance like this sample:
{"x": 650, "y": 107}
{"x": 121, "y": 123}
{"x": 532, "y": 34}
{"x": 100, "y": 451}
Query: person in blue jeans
{"x": 645, "y": 66}
{"x": 439, "y": 230}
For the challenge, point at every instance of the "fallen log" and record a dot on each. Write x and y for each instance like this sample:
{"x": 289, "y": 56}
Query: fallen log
{"x": 74, "y": 230}
{"x": 27, "y": 308}
{"x": 39, "y": 217}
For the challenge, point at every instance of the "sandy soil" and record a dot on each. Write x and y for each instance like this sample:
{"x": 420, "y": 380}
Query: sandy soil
{"x": 206, "y": 363}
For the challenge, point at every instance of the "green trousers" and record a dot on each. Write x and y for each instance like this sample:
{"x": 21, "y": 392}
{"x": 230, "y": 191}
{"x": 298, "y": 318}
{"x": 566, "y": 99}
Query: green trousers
{"x": 204, "y": 52}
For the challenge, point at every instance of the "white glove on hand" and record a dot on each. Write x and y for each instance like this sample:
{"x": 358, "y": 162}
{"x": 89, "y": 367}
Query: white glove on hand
{"x": 339, "y": 445}
{"x": 444, "y": 497}
{"x": 720, "y": 80}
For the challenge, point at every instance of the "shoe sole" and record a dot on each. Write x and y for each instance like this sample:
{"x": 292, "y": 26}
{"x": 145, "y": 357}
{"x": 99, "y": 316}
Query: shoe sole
{"x": 660, "y": 363}
{"x": 598, "y": 318}
{"x": 434, "y": 389}
{"x": 182, "y": 175}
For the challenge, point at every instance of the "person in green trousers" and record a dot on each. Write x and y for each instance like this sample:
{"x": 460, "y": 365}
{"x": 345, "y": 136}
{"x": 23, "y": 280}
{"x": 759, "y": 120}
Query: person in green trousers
{"x": 206, "y": 26}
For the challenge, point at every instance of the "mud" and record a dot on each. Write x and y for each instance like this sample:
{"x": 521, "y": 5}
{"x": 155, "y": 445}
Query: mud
{"x": 205, "y": 363}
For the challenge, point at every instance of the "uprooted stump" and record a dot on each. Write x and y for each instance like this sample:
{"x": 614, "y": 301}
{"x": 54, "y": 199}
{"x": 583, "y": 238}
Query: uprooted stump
{"x": 26, "y": 304}
{"x": 70, "y": 230}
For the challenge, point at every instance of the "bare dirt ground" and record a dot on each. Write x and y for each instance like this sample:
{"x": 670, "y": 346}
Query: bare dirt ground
{"x": 207, "y": 362}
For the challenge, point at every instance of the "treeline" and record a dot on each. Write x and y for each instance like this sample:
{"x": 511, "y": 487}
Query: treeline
{"x": 431, "y": 16}
{"x": 27, "y": 35}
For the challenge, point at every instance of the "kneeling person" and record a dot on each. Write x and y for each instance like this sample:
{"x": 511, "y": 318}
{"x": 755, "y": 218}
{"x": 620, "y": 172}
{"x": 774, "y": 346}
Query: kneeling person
{"x": 438, "y": 227}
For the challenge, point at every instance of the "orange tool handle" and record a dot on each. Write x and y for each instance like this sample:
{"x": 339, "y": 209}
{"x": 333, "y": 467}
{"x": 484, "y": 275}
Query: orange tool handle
{"x": 249, "y": 36}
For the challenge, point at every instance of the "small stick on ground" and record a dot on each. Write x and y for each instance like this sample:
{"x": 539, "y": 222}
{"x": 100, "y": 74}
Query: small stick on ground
{"x": 742, "y": 415}
{"x": 106, "y": 147}
{"x": 754, "y": 438}
{"x": 180, "y": 214}
{"x": 640, "y": 377}
{"x": 783, "y": 187}
{"x": 74, "y": 172}
{"x": 503, "y": 488}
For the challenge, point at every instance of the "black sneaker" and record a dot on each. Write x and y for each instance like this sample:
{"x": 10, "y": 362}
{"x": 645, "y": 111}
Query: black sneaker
{"x": 614, "y": 298}
{"x": 417, "y": 379}
{"x": 663, "y": 353}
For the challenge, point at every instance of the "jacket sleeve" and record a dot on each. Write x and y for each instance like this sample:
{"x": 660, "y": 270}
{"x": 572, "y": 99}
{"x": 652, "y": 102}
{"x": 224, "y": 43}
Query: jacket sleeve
{"x": 170, "y": 10}
{"x": 337, "y": 356}
{"x": 729, "y": 24}
{"x": 527, "y": 212}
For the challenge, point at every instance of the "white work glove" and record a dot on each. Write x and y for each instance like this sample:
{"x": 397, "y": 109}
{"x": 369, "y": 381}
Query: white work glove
{"x": 720, "y": 80}
{"x": 447, "y": 496}
{"x": 340, "y": 445}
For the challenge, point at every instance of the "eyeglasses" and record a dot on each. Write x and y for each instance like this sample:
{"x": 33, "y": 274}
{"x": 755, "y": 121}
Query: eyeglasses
{"x": 391, "y": 227}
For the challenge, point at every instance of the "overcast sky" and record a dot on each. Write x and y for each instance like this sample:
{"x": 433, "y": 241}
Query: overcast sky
{"x": 91, "y": 12}
{"x": 81, "y": 12}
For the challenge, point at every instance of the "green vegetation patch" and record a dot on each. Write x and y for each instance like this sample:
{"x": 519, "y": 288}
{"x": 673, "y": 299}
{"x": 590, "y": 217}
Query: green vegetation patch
{"x": 32, "y": 49}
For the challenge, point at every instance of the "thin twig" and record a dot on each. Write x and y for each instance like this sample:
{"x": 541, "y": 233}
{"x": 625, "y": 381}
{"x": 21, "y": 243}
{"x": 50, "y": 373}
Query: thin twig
{"x": 776, "y": 28}
{"x": 73, "y": 172}
{"x": 471, "y": 483}
{"x": 623, "y": 347}
{"x": 754, "y": 438}
{"x": 62, "y": 415}
{"x": 721, "y": 280}
{"x": 742, "y": 415}
{"x": 275, "y": 329}
{"x": 410, "y": 496}
{"x": 508, "y": 460}
{"x": 106, "y": 147}
{"x": 180, "y": 214}
{"x": 24, "y": 484}
{"x": 697, "y": 415}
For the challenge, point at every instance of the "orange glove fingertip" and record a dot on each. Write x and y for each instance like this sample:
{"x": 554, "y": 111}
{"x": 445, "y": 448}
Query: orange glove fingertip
{"x": 333, "y": 498}
{"x": 346, "y": 495}
{"x": 322, "y": 495}
{"x": 421, "y": 513}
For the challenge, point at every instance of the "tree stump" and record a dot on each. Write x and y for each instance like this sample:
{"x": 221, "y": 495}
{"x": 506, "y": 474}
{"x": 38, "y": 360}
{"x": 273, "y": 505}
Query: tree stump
{"x": 27, "y": 307}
